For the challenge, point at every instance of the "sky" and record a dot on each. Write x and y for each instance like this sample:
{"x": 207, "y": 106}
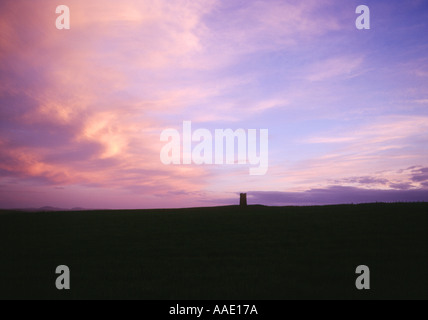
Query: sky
{"x": 82, "y": 110}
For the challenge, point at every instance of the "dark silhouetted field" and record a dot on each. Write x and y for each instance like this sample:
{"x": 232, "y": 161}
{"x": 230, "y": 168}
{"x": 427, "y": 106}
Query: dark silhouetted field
{"x": 218, "y": 253}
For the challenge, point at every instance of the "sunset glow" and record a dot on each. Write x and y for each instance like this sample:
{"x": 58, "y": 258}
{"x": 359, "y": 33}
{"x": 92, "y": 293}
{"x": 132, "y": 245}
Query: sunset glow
{"x": 82, "y": 110}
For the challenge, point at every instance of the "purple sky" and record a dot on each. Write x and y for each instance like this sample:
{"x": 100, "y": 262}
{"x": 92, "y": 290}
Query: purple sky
{"x": 82, "y": 110}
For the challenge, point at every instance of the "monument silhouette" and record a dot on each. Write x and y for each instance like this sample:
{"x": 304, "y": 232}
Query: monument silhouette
{"x": 243, "y": 202}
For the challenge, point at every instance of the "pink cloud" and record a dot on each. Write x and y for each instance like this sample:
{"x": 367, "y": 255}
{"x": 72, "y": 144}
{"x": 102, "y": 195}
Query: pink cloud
{"x": 374, "y": 148}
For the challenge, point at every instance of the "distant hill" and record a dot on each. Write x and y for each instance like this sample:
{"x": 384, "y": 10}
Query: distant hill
{"x": 49, "y": 209}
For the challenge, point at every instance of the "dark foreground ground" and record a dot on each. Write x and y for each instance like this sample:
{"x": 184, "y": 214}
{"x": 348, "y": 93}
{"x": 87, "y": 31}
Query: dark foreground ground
{"x": 218, "y": 253}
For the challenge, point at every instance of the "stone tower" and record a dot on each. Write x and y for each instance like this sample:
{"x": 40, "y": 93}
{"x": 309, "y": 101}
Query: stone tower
{"x": 243, "y": 202}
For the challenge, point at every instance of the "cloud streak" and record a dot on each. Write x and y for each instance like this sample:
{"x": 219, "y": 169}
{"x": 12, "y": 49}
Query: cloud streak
{"x": 338, "y": 195}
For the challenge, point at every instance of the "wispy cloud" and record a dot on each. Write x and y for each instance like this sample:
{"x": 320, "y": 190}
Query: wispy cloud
{"x": 339, "y": 68}
{"x": 338, "y": 195}
{"x": 422, "y": 101}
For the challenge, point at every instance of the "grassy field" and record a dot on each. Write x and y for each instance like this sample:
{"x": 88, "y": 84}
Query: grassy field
{"x": 218, "y": 253}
